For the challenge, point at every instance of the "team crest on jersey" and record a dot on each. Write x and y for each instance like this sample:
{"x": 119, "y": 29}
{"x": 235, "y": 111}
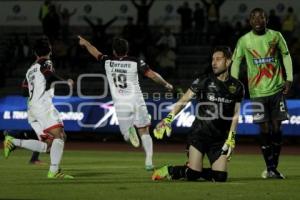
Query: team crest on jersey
{"x": 232, "y": 89}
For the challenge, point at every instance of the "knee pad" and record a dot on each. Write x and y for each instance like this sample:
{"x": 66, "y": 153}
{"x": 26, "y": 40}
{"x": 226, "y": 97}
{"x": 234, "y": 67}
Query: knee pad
{"x": 192, "y": 175}
{"x": 219, "y": 176}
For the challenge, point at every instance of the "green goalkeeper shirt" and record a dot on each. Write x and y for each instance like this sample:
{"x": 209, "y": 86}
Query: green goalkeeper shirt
{"x": 264, "y": 70}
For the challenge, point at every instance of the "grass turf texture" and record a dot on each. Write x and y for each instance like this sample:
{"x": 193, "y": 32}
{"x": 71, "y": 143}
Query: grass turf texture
{"x": 121, "y": 175}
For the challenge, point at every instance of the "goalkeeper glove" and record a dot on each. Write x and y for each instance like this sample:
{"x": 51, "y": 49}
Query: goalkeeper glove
{"x": 229, "y": 145}
{"x": 164, "y": 127}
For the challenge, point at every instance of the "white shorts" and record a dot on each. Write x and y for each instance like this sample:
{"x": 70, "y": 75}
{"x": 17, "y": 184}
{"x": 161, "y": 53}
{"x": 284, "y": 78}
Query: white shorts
{"x": 43, "y": 119}
{"x": 132, "y": 114}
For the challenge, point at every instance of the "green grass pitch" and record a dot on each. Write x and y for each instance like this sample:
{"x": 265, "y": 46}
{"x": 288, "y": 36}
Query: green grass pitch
{"x": 120, "y": 175}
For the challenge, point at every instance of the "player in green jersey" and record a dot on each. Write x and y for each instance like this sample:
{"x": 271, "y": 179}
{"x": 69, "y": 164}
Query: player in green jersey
{"x": 264, "y": 50}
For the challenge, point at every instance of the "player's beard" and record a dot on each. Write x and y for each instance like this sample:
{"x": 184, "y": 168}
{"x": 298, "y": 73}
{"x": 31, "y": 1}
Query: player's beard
{"x": 220, "y": 73}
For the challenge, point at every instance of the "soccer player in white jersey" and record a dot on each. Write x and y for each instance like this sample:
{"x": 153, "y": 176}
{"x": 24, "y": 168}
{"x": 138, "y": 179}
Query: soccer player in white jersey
{"x": 42, "y": 115}
{"x": 122, "y": 74}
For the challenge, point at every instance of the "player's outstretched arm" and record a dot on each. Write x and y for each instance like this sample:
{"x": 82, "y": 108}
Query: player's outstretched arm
{"x": 164, "y": 127}
{"x": 158, "y": 79}
{"x": 179, "y": 105}
{"x": 235, "y": 118}
{"x": 91, "y": 49}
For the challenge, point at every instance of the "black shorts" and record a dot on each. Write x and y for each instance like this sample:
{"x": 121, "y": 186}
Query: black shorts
{"x": 269, "y": 108}
{"x": 210, "y": 147}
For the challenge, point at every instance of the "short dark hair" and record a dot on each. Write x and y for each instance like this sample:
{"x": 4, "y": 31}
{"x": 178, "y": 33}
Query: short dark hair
{"x": 120, "y": 46}
{"x": 42, "y": 46}
{"x": 225, "y": 49}
{"x": 258, "y": 10}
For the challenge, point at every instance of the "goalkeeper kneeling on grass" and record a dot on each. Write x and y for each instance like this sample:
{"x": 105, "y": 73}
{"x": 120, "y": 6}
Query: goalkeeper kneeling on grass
{"x": 213, "y": 132}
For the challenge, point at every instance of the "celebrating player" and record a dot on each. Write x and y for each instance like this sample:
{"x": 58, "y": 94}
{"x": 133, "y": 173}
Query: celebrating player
{"x": 213, "y": 131}
{"x": 262, "y": 49}
{"x": 122, "y": 74}
{"x": 42, "y": 114}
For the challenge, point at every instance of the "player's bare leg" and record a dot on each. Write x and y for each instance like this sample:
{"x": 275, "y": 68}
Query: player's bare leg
{"x": 148, "y": 147}
{"x": 219, "y": 169}
{"x": 195, "y": 159}
{"x": 220, "y": 164}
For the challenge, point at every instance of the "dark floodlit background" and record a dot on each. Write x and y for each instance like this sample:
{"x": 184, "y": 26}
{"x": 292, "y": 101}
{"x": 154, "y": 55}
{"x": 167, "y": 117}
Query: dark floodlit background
{"x": 174, "y": 37}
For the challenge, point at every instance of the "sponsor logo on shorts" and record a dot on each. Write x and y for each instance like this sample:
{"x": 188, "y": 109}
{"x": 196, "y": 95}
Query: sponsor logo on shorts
{"x": 258, "y": 116}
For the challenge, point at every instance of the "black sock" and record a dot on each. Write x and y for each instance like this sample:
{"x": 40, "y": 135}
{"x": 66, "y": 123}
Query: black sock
{"x": 192, "y": 175}
{"x": 177, "y": 172}
{"x": 35, "y": 156}
{"x": 219, "y": 176}
{"x": 266, "y": 148}
{"x": 276, "y": 146}
{"x": 206, "y": 174}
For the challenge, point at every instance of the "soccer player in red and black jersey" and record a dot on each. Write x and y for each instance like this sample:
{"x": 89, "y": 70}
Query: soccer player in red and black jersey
{"x": 42, "y": 115}
{"x": 122, "y": 74}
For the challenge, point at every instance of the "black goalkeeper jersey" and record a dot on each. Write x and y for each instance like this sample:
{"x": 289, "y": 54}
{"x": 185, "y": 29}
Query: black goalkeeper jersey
{"x": 215, "y": 105}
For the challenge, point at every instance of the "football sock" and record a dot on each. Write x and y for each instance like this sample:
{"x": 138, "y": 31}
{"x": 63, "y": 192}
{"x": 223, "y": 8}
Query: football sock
{"x": 148, "y": 147}
{"x": 206, "y": 174}
{"x": 276, "y": 146}
{"x": 266, "y": 148}
{"x": 56, "y": 153}
{"x": 33, "y": 145}
{"x": 177, "y": 172}
{"x": 192, "y": 175}
{"x": 219, "y": 176}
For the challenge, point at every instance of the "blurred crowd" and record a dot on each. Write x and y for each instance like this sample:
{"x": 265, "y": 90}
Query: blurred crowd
{"x": 200, "y": 25}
